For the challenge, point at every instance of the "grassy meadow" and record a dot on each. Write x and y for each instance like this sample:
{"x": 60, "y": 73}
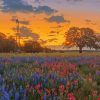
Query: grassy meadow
{"x": 68, "y": 53}
{"x": 50, "y": 76}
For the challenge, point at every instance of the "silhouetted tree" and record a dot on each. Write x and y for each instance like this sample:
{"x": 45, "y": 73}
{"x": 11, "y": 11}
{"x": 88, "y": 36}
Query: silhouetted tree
{"x": 81, "y": 37}
{"x": 2, "y": 41}
{"x": 10, "y": 45}
{"x": 7, "y": 44}
{"x": 32, "y": 46}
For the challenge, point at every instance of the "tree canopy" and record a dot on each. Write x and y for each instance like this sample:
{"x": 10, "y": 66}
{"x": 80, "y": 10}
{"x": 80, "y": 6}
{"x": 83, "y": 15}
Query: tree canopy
{"x": 32, "y": 46}
{"x": 7, "y": 44}
{"x": 81, "y": 37}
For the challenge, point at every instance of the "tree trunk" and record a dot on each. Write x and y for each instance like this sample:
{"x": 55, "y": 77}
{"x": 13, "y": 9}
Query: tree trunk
{"x": 80, "y": 49}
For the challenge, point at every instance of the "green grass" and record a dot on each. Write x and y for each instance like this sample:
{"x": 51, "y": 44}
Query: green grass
{"x": 71, "y": 54}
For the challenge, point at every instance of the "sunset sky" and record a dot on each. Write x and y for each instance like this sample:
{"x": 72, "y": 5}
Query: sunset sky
{"x": 48, "y": 20}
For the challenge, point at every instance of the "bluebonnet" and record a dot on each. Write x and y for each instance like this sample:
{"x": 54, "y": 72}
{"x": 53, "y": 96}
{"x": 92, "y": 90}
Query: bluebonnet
{"x": 14, "y": 87}
{"x": 3, "y": 88}
{"x": 17, "y": 74}
{"x": 24, "y": 97}
{"x": 16, "y": 96}
{"x": 45, "y": 97}
{"x": 10, "y": 93}
{"x": 21, "y": 89}
{"x": 54, "y": 98}
{"x": 21, "y": 78}
{"x": 6, "y": 96}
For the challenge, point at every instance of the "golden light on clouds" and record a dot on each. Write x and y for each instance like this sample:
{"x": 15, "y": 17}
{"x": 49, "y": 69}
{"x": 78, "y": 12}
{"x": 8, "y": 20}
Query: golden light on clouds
{"x": 50, "y": 32}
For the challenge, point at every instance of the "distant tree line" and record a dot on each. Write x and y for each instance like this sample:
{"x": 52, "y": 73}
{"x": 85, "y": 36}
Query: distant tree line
{"x": 9, "y": 44}
{"x": 75, "y": 36}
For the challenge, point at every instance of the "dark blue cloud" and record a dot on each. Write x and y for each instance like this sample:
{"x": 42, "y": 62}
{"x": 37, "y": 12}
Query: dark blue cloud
{"x": 20, "y": 6}
{"x": 74, "y": 0}
{"x": 21, "y": 21}
{"x": 38, "y": 1}
{"x": 27, "y": 32}
{"x": 44, "y": 9}
{"x": 16, "y": 5}
{"x": 57, "y": 19}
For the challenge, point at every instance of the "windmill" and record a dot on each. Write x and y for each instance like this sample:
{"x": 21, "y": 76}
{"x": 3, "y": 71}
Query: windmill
{"x": 18, "y": 32}
{"x": 17, "y": 35}
{"x": 18, "y": 22}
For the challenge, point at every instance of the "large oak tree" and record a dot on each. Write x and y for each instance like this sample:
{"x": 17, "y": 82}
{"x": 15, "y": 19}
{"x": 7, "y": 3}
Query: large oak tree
{"x": 81, "y": 37}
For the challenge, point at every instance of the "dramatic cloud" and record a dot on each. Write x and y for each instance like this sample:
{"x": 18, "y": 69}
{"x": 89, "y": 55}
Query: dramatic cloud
{"x": 38, "y": 1}
{"x": 52, "y": 31}
{"x": 24, "y": 22}
{"x": 51, "y": 35}
{"x": 88, "y": 21}
{"x": 1, "y": 4}
{"x": 74, "y": 0}
{"x": 15, "y": 6}
{"x": 57, "y": 19}
{"x": 59, "y": 26}
{"x": 49, "y": 40}
{"x": 57, "y": 32}
{"x": 43, "y": 41}
{"x": 52, "y": 40}
{"x": 22, "y": 6}
{"x": 44, "y": 9}
{"x": 26, "y": 32}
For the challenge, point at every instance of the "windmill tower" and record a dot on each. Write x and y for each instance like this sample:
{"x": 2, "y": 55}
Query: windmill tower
{"x": 18, "y": 31}
{"x": 17, "y": 36}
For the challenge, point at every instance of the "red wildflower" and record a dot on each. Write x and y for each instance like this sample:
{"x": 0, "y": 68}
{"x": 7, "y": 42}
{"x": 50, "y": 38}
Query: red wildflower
{"x": 71, "y": 96}
{"x": 62, "y": 74}
{"x": 61, "y": 88}
{"x": 75, "y": 81}
{"x": 94, "y": 93}
{"x": 37, "y": 86}
{"x": 39, "y": 92}
{"x": 98, "y": 98}
{"x": 48, "y": 91}
{"x": 51, "y": 80}
{"x": 84, "y": 98}
{"x": 55, "y": 93}
{"x": 68, "y": 84}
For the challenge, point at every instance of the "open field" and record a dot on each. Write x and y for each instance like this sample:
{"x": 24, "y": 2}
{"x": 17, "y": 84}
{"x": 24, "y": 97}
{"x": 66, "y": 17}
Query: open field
{"x": 50, "y": 76}
{"x": 85, "y": 53}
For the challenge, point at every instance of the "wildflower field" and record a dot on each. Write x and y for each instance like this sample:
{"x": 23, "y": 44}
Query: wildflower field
{"x": 51, "y": 76}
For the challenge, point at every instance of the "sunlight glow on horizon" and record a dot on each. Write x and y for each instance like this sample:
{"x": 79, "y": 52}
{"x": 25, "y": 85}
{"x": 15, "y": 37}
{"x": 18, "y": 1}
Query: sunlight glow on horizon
{"x": 50, "y": 31}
